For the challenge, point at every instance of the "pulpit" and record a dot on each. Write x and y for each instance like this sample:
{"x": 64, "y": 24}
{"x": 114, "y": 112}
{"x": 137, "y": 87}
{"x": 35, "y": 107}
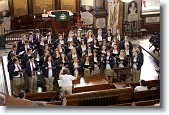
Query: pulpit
{"x": 60, "y": 21}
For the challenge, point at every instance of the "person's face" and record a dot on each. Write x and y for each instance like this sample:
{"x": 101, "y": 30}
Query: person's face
{"x": 62, "y": 55}
{"x": 75, "y": 60}
{"x": 115, "y": 46}
{"x": 89, "y": 50}
{"x": 121, "y": 53}
{"x": 138, "y": 50}
{"x": 59, "y": 45}
{"x": 14, "y": 48}
{"x": 32, "y": 60}
{"x": 87, "y": 58}
{"x": 46, "y": 47}
{"x": 78, "y": 34}
{"x": 73, "y": 51}
{"x": 60, "y": 37}
{"x": 30, "y": 52}
{"x": 126, "y": 39}
{"x": 99, "y": 31}
{"x": 135, "y": 54}
{"x": 95, "y": 41}
{"x": 126, "y": 47}
{"x": 57, "y": 52}
{"x": 49, "y": 58}
{"x": 71, "y": 34}
{"x": 23, "y": 37}
{"x": 46, "y": 53}
{"x": 109, "y": 32}
{"x": 108, "y": 53}
{"x": 90, "y": 33}
{"x": 17, "y": 62}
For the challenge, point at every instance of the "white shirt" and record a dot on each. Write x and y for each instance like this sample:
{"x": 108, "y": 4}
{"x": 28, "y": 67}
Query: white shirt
{"x": 33, "y": 65}
{"x": 126, "y": 43}
{"x": 16, "y": 69}
{"x": 115, "y": 52}
{"x": 50, "y": 74}
{"x": 70, "y": 39}
{"x": 140, "y": 88}
{"x": 135, "y": 65}
{"x": 109, "y": 38}
{"x": 118, "y": 37}
{"x": 99, "y": 38}
{"x": 61, "y": 42}
{"x": 66, "y": 79}
{"x": 89, "y": 40}
{"x": 127, "y": 52}
{"x": 79, "y": 38}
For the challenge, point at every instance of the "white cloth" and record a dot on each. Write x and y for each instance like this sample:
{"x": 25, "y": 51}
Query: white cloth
{"x": 108, "y": 66}
{"x": 141, "y": 88}
{"x": 50, "y": 74}
{"x": 109, "y": 39}
{"x": 70, "y": 39}
{"x": 89, "y": 40}
{"x": 115, "y": 52}
{"x": 61, "y": 42}
{"x": 66, "y": 79}
{"x": 99, "y": 38}
{"x": 127, "y": 52}
{"x": 126, "y": 43}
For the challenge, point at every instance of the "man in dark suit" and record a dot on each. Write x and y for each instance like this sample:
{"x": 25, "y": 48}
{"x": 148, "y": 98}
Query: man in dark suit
{"x": 21, "y": 43}
{"x": 27, "y": 46}
{"x": 17, "y": 74}
{"x": 14, "y": 50}
{"x": 31, "y": 69}
{"x": 25, "y": 58}
{"x": 30, "y": 39}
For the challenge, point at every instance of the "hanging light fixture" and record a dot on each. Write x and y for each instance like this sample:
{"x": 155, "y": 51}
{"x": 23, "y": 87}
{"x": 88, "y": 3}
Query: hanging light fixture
{"x": 126, "y": 0}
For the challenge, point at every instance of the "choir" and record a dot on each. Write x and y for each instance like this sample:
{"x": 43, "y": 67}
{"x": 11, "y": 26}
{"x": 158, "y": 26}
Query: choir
{"x": 83, "y": 55}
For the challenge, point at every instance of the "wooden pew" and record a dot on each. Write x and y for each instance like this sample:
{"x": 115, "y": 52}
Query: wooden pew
{"x": 123, "y": 96}
{"x": 146, "y": 95}
{"x": 41, "y": 96}
{"x": 123, "y": 104}
{"x": 12, "y": 101}
{"x": 55, "y": 103}
{"x": 147, "y": 103}
{"x": 150, "y": 84}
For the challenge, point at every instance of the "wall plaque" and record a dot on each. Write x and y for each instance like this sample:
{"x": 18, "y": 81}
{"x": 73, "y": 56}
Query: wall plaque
{"x": 152, "y": 20}
{"x": 20, "y": 7}
{"x": 68, "y": 5}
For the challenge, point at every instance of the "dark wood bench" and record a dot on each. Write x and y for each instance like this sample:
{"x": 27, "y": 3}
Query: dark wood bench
{"x": 149, "y": 84}
{"x": 146, "y": 95}
{"x": 41, "y": 96}
{"x": 147, "y": 103}
{"x": 123, "y": 96}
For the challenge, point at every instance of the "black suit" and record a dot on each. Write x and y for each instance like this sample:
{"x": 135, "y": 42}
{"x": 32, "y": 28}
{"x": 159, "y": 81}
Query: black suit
{"x": 46, "y": 71}
{"x": 28, "y": 68}
{"x": 9, "y": 57}
{"x": 110, "y": 61}
{"x": 24, "y": 60}
{"x": 20, "y": 45}
{"x": 12, "y": 72}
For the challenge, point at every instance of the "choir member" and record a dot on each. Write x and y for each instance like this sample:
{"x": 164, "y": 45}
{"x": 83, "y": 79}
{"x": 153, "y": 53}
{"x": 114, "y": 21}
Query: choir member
{"x": 136, "y": 64}
{"x": 115, "y": 41}
{"x": 108, "y": 63}
{"x": 16, "y": 71}
{"x": 26, "y": 56}
{"x": 119, "y": 36}
{"x": 60, "y": 40}
{"x": 30, "y": 39}
{"x": 89, "y": 37}
{"x": 41, "y": 46}
{"x": 71, "y": 38}
{"x": 109, "y": 36}
{"x": 126, "y": 42}
{"x": 95, "y": 45}
{"x": 82, "y": 49}
{"x": 49, "y": 71}
{"x": 43, "y": 58}
{"x": 87, "y": 66}
{"x": 122, "y": 60}
{"x": 21, "y": 43}
{"x": 100, "y": 36}
{"x": 14, "y": 50}
{"x": 78, "y": 37}
{"x": 26, "y": 46}
{"x": 96, "y": 61}
{"x": 56, "y": 56}
{"x": 37, "y": 36}
{"x": 32, "y": 67}
{"x": 74, "y": 67}
{"x": 69, "y": 47}
{"x": 60, "y": 48}
{"x": 89, "y": 52}
{"x": 63, "y": 61}
{"x": 72, "y": 55}
{"x": 128, "y": 52}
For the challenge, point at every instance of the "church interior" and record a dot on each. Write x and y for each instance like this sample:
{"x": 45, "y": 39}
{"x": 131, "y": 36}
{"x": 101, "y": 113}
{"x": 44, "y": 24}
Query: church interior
{"x": 80, "y": 53}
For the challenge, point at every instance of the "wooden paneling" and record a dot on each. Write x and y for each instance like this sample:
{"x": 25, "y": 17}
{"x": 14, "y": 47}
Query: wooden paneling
{"x": 20, "y": 7}
{"x": 151, "y": 27}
